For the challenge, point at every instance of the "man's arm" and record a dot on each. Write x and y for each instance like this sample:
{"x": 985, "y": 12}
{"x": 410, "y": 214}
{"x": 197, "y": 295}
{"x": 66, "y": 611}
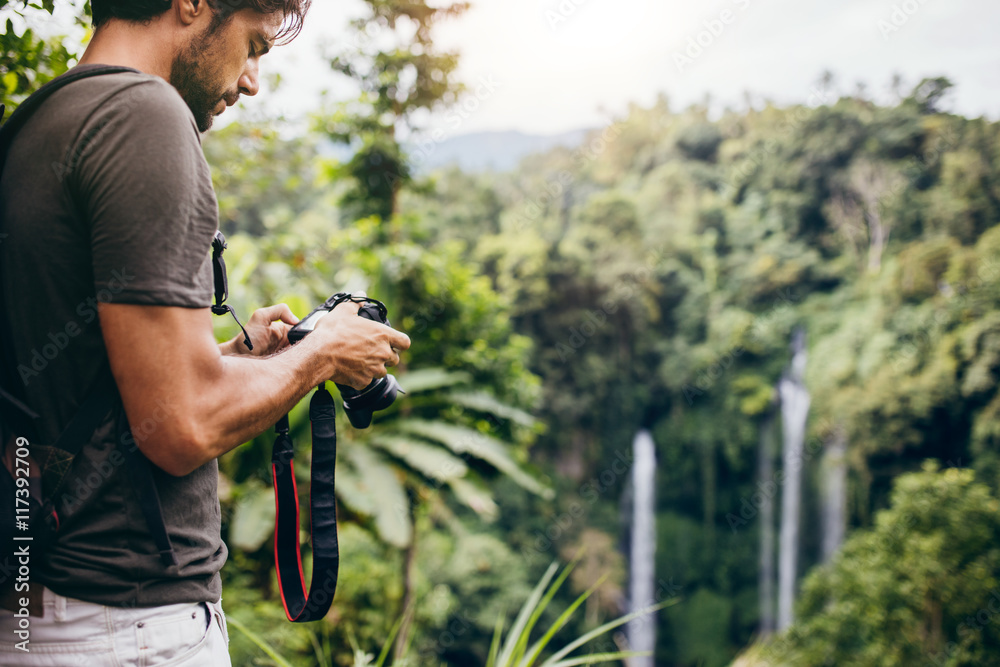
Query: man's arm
{"x": 166, "y": 358}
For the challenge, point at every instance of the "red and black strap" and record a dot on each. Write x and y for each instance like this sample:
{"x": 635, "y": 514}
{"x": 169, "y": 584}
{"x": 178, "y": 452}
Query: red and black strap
{"x": 302, "y": 606}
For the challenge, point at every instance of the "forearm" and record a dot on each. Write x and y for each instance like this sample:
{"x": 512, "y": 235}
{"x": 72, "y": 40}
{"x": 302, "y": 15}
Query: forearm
{"x": 234, "y": 347}
{"x": 249, "y": 394}
{"x": 214, "y": 402}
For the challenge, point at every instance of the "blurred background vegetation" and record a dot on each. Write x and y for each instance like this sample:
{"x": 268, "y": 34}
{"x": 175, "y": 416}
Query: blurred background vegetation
{"x": 651, "y": 277}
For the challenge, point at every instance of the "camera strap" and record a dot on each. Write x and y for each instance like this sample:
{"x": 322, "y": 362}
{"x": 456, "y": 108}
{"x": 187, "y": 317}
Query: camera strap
{"x": 302, "y": 606}
{"x": 222, "y": 284}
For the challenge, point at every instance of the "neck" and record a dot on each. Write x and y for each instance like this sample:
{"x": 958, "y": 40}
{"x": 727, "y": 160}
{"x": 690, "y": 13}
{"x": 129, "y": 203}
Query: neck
{"x": 135, "y": 45}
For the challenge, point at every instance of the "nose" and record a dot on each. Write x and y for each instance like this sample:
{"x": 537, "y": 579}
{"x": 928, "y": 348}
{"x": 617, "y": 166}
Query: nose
{"x": 249, "y": 81}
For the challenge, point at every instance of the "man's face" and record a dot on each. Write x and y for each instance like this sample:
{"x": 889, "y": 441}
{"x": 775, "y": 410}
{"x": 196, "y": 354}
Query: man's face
{"x": 223, "y": 62}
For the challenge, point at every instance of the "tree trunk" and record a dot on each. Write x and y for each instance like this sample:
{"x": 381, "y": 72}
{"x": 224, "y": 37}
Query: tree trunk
{"x": 409, "y": 586}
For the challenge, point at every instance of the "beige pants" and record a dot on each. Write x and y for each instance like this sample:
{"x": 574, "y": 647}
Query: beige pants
{"x": 74, "y": 633}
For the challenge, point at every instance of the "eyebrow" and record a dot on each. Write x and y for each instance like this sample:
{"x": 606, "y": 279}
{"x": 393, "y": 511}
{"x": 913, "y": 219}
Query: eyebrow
{"x": 268, "y": 44}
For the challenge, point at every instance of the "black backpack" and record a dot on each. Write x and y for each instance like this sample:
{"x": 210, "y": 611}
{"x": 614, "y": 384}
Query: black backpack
{"x": 35, "y": 474}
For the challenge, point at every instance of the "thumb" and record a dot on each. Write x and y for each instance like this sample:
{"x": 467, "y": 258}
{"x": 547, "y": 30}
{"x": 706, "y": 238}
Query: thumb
{"x": 348, "y": 307}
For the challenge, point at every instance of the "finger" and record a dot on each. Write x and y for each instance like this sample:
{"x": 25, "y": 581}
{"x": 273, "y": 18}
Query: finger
{"x": 398, "y": 340}
{"x": 346, "y": 308}
{"x": 393, "y": 360}
{"x": 278, "y": 312}
{"x": 286, "y": 315}
{"x": 361, "y": 385}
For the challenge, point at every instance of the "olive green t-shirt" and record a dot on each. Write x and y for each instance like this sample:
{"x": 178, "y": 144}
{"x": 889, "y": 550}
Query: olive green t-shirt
{"x": 107, "y": 197}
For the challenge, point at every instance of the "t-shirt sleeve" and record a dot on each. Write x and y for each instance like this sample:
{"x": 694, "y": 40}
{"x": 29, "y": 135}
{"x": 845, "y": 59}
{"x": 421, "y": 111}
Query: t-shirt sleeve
{"x": 146, "y": 192}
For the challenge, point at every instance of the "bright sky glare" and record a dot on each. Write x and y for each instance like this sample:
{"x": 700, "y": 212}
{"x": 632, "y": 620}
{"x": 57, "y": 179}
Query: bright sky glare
{"x": 555, "y": 64}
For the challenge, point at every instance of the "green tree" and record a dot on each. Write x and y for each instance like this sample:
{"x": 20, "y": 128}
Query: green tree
{"x": 922, "y": 586}
{"x": 27, "y": 61}
{"x": 400, "y": 73}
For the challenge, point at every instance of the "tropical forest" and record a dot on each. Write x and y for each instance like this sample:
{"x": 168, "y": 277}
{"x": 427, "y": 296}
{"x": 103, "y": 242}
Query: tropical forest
{"x": 701, "y": 388}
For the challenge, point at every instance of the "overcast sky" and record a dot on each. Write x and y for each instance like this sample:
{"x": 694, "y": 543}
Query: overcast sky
{"x": 557, "y": 65}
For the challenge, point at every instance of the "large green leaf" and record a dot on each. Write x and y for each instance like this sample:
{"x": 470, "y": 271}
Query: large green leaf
{"x": 477, "y": 499}
{"x": 462, "y": 440}
{"x": 353, "y": 491}
{"x": 378, "y": 482}
{"x": 430, "y": 460}
{"x": 427, "y": 379}
{"x": 484, "y": 402}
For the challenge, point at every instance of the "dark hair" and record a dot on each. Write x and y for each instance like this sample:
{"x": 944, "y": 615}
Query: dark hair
{"x": 141, "y": 11}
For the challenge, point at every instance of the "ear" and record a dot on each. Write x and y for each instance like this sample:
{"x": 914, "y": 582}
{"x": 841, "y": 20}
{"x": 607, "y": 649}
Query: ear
{"x": 190, "y": 11}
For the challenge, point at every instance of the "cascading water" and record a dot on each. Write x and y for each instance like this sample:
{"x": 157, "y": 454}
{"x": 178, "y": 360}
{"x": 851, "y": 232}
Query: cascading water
{"x": 794, "y": 412}
{"x": 834, "y": 494}
{"x": 641, "y": 632}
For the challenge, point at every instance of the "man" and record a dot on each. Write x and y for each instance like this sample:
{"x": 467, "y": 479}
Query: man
{"x": 109, "y": 215}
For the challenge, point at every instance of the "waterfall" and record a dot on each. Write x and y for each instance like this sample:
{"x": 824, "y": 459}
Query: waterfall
{"x": 767, "y": 488}
{"x": 834, "y": 494}
{"x": 794, "y": 411}
{"x": 641, "y": 632}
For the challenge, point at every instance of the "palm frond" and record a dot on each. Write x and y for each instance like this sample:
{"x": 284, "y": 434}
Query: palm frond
{"x": 485, "y": 402}
{"x": 463, "y": 440}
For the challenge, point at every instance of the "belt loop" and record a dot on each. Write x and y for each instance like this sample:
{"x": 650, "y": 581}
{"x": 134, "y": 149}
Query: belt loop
{"x": 220, "y": 617}
{"x": 60, "y": 607}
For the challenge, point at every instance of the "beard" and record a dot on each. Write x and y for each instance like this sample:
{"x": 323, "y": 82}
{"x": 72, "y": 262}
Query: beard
{"x": 192, "y": 76}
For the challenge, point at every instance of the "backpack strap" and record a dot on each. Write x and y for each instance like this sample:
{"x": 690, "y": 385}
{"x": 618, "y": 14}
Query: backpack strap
{"x": 12, "y": 405}
{"x": 30, "y": 105}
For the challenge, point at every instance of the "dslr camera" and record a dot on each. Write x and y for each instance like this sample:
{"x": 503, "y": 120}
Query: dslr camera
{"x": 381, "y": 393}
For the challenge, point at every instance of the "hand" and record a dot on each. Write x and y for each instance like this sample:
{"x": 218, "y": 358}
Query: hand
{"x": 268, "y": 331}
{"x": 359, "y": 349}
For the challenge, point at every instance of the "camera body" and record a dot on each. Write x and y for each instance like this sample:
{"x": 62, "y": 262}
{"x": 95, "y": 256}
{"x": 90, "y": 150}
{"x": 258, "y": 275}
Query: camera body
{"x": 381, "y": 393}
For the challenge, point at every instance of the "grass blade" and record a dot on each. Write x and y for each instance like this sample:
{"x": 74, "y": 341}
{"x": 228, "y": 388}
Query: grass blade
{"x": 495, "y": 644}
{"x": 554, "y": 660}
{"x": 263, "y": 645}
{"x": 540, "y": 645}
{"x": 522, "y": 642}
{"x": 392, "y": 636}
{"x": 507, "y": 654}
{"x": 601, "y": 657}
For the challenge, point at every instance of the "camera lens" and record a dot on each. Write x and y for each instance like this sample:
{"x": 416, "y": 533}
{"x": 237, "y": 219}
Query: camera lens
{"x": 360, "y": 405}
